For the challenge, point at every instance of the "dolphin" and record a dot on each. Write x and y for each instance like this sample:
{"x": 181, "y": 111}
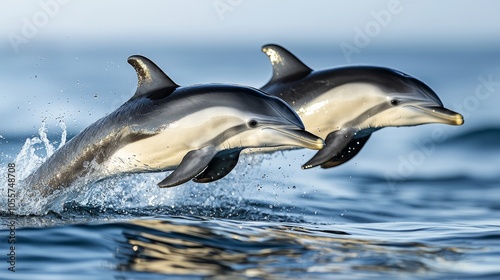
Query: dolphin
{"x": 196, "y": 131}
{"x": 346, "y": 105}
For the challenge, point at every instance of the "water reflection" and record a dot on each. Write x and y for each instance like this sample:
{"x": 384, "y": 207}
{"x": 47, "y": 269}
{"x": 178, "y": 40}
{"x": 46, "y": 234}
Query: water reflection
{"x": 252, "y": 249}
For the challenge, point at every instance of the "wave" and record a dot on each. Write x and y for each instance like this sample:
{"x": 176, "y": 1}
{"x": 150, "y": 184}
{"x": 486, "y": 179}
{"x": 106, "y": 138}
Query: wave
{"x": 464, "y": 179}
{"x": 483, "y": 138}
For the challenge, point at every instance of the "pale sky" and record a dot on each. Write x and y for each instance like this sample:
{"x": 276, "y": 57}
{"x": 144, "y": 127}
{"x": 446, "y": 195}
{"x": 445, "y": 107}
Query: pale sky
{"x": 240, "y": 21}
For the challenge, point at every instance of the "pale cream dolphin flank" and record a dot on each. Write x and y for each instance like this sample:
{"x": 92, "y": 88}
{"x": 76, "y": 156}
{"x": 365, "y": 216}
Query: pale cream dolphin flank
{"x": 346, "y": 105}
{"x": 197, "y": 131}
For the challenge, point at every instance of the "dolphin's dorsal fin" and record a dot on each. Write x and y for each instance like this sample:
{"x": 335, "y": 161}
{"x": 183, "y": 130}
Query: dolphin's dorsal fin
{"x": 285, "y": 64}
{"x": 150, "y": 77}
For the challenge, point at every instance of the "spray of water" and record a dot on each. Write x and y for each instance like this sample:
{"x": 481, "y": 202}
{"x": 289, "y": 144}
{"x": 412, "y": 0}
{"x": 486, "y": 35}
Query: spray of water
{"x": 137, "y": 190}
{"x": 133, "y": 191}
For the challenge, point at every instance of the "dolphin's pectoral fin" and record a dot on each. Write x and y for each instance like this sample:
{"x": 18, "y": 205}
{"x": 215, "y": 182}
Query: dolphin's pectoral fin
{"x": 335, "y": 142}
{"x": 191, "y": 165}
{"x": 284, "y": 63}
{"x": 151, "y": 78}
{"x": 351, "y": 150}
{"x": 219, "y": 167}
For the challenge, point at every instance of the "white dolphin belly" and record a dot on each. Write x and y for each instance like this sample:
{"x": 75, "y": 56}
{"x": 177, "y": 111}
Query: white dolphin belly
{"x": 160, "y": 152}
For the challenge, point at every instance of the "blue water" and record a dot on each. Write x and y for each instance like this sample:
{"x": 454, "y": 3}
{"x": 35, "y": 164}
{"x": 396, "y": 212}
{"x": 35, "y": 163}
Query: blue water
{"x": 418, "y": 202}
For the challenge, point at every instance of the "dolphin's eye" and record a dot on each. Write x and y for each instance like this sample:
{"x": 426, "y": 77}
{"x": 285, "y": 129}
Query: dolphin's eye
{"x": 252, "y": 123}
{"x": 394, "y": 102}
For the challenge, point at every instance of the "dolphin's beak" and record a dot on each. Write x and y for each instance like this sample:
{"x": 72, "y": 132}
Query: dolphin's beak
{"x": 442, "y": 115}
{"x": 300, "y": 138}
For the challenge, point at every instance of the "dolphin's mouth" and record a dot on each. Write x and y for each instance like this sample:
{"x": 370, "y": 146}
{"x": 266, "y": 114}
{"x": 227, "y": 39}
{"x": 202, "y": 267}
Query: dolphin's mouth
{"x": 442, "y": 115}
{"x": 300, "y": 138}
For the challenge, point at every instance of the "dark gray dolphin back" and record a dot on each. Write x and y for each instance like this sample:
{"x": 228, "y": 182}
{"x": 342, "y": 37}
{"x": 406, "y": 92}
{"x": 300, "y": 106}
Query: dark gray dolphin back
{"x": 293, "y": 81}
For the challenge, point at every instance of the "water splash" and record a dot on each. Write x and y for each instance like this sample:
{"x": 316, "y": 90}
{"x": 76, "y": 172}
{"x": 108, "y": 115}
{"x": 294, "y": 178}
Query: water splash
{"x": 33, "y": 153}
{"x": 135, "y": 191}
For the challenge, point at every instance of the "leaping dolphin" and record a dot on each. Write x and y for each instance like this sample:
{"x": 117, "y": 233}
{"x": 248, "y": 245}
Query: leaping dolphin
{"x": 346, "y": 105}
{"x": 197, "y": 131}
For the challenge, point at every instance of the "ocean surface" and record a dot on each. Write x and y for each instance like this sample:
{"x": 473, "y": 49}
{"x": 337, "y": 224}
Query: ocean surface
{"x": 416, "y": 203}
